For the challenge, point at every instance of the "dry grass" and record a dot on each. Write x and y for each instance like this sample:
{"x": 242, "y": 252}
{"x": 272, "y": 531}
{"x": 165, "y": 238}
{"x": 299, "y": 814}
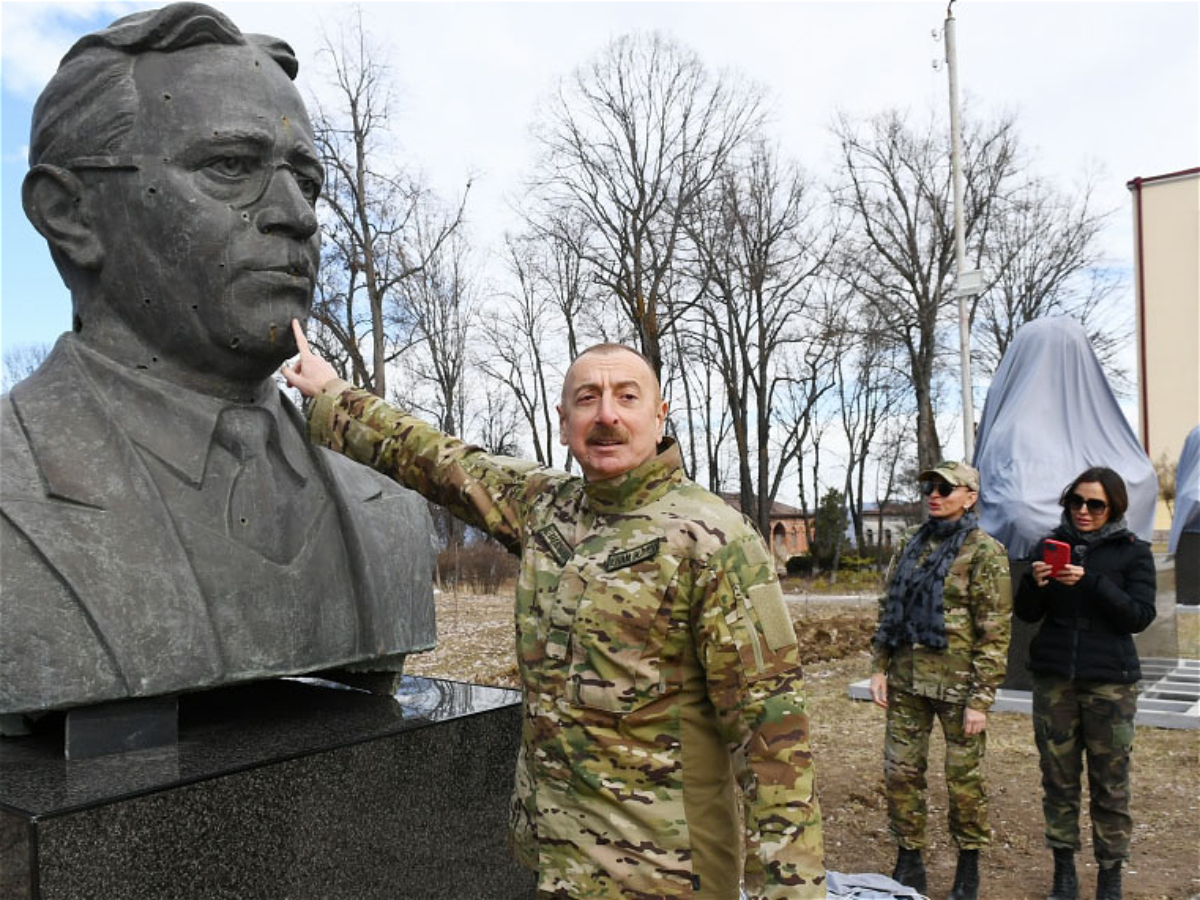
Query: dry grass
{"x": 476, "y": 644}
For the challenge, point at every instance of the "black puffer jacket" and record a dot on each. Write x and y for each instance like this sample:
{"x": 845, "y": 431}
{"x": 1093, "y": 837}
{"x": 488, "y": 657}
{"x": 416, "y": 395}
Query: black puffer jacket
{"x": 1087, "y": 628}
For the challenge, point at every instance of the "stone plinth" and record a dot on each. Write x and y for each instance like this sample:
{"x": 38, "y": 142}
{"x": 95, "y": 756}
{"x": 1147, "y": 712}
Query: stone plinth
{"x": 283, "y": 789}
{"x": 1187, "y": 569}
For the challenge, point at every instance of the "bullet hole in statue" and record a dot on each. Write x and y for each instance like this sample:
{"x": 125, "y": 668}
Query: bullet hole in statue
{"x": 77, "y": 324}
{"x": 233, "y": 343}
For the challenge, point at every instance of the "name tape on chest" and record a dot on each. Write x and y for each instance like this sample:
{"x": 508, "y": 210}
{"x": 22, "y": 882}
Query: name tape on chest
{"x": 556, "y": 545}
{"x": 619, "y": 559}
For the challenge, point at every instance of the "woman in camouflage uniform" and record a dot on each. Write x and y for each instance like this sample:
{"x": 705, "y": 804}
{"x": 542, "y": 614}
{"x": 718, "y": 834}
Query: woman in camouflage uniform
{"x": 1085, "y": 673}
{"x": 940, "y": 650}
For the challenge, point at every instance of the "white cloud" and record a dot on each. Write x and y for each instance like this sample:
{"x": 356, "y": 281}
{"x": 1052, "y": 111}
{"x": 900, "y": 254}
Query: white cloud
{"x": 36, "y": 35}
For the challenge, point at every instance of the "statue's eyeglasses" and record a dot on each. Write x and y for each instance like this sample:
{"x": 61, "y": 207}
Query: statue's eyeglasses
{"x": 1094, "y": 505}
{"x": 241, "y": 179}
{"x": 943, "y": 488}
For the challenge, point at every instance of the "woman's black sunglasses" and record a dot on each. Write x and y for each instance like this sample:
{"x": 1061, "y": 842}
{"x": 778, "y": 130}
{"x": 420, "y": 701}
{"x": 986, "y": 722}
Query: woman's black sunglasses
{"x": 1094, "y": 506}
{"x": 943, "y": 489}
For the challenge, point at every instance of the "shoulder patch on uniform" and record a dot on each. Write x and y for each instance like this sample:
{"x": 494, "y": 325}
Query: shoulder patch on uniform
{"x": 619, "y": 559}
{"x": 773, "y": 615}
{"x": 556, "y": 545}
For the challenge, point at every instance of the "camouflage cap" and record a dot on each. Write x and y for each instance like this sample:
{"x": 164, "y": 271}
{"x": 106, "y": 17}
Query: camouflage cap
{"x": 953, "y": 472}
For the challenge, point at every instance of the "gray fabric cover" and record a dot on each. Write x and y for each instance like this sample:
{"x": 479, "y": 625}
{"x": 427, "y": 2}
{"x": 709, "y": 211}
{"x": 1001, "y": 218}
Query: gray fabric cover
{"x": 1050, "y": 414}
{"x": 866, "y": 886}
{"x": 1187, "y": 490}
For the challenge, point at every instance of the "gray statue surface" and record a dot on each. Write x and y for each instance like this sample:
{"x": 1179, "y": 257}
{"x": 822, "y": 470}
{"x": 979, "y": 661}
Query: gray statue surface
{"x": 164, "y": 524}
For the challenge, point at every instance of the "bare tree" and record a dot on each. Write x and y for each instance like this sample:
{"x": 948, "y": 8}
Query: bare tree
{"x": 20, "y": 362}
{"x": 439, "y": 301}
{"x": 629, "y": 142}
{"x": 520, "y": 336}
{"x": 1045, "y": 259}
{"x": 870, "y": 390}
{"x": 369, "y": 209}
{"x": 440, "y": 305}
{"x": 900, "y": 260}
{"x": 557, "y": 265}
{"x": 497, "y": 422}
{"x": 803, "y": 408}
{"x": 760, "y": 251}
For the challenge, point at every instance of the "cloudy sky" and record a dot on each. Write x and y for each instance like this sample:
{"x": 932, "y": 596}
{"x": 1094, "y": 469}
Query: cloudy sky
{"x": 1107, "y": 87}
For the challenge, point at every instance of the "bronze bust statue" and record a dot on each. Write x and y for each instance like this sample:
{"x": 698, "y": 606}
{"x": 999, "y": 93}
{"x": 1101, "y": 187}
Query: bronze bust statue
{"x": 164, "y": 524}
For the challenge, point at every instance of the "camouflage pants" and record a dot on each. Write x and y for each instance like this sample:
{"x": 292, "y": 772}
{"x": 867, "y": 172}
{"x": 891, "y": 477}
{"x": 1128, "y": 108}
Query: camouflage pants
{"x": 906, "y": 757}
{"x": 1071, "y": 718}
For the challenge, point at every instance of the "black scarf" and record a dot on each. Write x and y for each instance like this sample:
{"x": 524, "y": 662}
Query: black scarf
{"x": 914, "y": 612}
{"x": 1083, "y": 541}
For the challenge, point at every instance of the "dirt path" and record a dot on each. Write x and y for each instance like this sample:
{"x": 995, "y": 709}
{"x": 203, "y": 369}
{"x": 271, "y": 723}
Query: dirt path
{"x": 475, "y": 635}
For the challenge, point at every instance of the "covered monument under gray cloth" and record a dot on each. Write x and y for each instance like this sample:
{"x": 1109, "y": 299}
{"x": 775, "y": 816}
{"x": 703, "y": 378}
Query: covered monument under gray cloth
{"x": 1187, "y": 491}
{"x": 1050, "y": 414}
{"x": 1185, "y": 525}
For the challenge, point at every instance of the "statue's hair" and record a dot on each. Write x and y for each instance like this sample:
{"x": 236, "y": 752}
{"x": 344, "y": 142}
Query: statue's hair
{"x": 89, "y": 107}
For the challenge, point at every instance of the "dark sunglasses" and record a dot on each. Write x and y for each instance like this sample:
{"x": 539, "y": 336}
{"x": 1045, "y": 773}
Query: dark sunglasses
{"x": 1094, "y": 506}
{"x": 943, "y": 489}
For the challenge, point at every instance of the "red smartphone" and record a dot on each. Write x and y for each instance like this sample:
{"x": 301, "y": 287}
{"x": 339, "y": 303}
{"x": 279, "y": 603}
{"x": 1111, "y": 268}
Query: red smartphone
{"x": 1056, "y": 554}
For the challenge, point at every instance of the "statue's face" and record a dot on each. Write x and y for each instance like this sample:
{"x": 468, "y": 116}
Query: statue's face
{"x": 211, "y": 245}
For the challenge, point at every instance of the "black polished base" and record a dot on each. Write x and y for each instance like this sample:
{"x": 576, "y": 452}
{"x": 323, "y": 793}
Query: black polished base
{"x": 1187, "y": 569}
{"x": 284, "y": 789}
{"x": 122, "y": 726}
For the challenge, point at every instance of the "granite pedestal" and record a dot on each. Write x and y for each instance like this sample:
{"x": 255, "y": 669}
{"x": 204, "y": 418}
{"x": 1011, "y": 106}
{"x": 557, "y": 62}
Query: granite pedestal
{"x": 284, "y": 789}
{"x": 1187, "y": 569}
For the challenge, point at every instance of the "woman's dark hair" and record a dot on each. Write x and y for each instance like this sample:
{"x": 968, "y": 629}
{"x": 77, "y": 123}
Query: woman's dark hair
{"x": 1114, "y": 489}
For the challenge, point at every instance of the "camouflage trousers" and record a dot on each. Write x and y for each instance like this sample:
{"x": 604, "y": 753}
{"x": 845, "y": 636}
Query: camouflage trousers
{"x": 1071, "y": 719}
{"x": 906, "y": 757}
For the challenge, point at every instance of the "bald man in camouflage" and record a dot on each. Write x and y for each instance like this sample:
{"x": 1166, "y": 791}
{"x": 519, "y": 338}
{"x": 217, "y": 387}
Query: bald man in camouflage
{"x": 658, "y": 662}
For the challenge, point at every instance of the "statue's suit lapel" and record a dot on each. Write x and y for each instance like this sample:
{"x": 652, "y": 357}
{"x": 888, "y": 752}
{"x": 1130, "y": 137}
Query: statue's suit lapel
{"x": 101, "y": 524}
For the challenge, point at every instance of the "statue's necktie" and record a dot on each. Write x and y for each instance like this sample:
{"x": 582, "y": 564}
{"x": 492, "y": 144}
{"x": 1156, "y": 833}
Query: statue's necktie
{"x": 254, "y": 504}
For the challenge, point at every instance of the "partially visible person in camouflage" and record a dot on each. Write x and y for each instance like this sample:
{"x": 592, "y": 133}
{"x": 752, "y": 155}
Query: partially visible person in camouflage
{"x": 659, "y": 664}
{"x": 1085, "y": 672}
{"x": 940, "y": 650}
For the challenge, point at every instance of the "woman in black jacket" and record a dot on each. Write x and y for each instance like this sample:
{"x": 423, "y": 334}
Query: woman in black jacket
{"x": 1085, "y": 673}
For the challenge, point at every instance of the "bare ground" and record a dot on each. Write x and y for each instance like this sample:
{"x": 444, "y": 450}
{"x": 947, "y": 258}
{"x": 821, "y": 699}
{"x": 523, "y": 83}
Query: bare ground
{"x": 475, "y": 644}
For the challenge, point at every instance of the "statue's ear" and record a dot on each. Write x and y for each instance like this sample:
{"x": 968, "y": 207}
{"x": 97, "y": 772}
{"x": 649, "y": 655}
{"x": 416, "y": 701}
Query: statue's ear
{"x": 53, "y": 198}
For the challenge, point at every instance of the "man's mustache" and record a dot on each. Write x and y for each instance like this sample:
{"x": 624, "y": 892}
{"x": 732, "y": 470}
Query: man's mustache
{"x": 607, "y": 433}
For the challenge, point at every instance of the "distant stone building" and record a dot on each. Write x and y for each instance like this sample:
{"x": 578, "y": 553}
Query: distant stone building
{"x": 790, "y": 528}
{"x": 789, "y": 534}
{"x": 883, "y": 528}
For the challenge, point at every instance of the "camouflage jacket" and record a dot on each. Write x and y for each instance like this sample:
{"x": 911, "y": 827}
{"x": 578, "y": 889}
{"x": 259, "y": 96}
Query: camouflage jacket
{"x": 658, "y": 662}
{"x": 978, "y": 610}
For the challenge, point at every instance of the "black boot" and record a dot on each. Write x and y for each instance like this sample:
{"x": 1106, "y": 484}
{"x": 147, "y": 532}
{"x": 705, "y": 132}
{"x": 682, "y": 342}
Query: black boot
{"x": 910, "y": 870}
{"x": 1108, "y": 883}
{"x": 966, "y": 876}
{"x": 1066, "y": 885}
